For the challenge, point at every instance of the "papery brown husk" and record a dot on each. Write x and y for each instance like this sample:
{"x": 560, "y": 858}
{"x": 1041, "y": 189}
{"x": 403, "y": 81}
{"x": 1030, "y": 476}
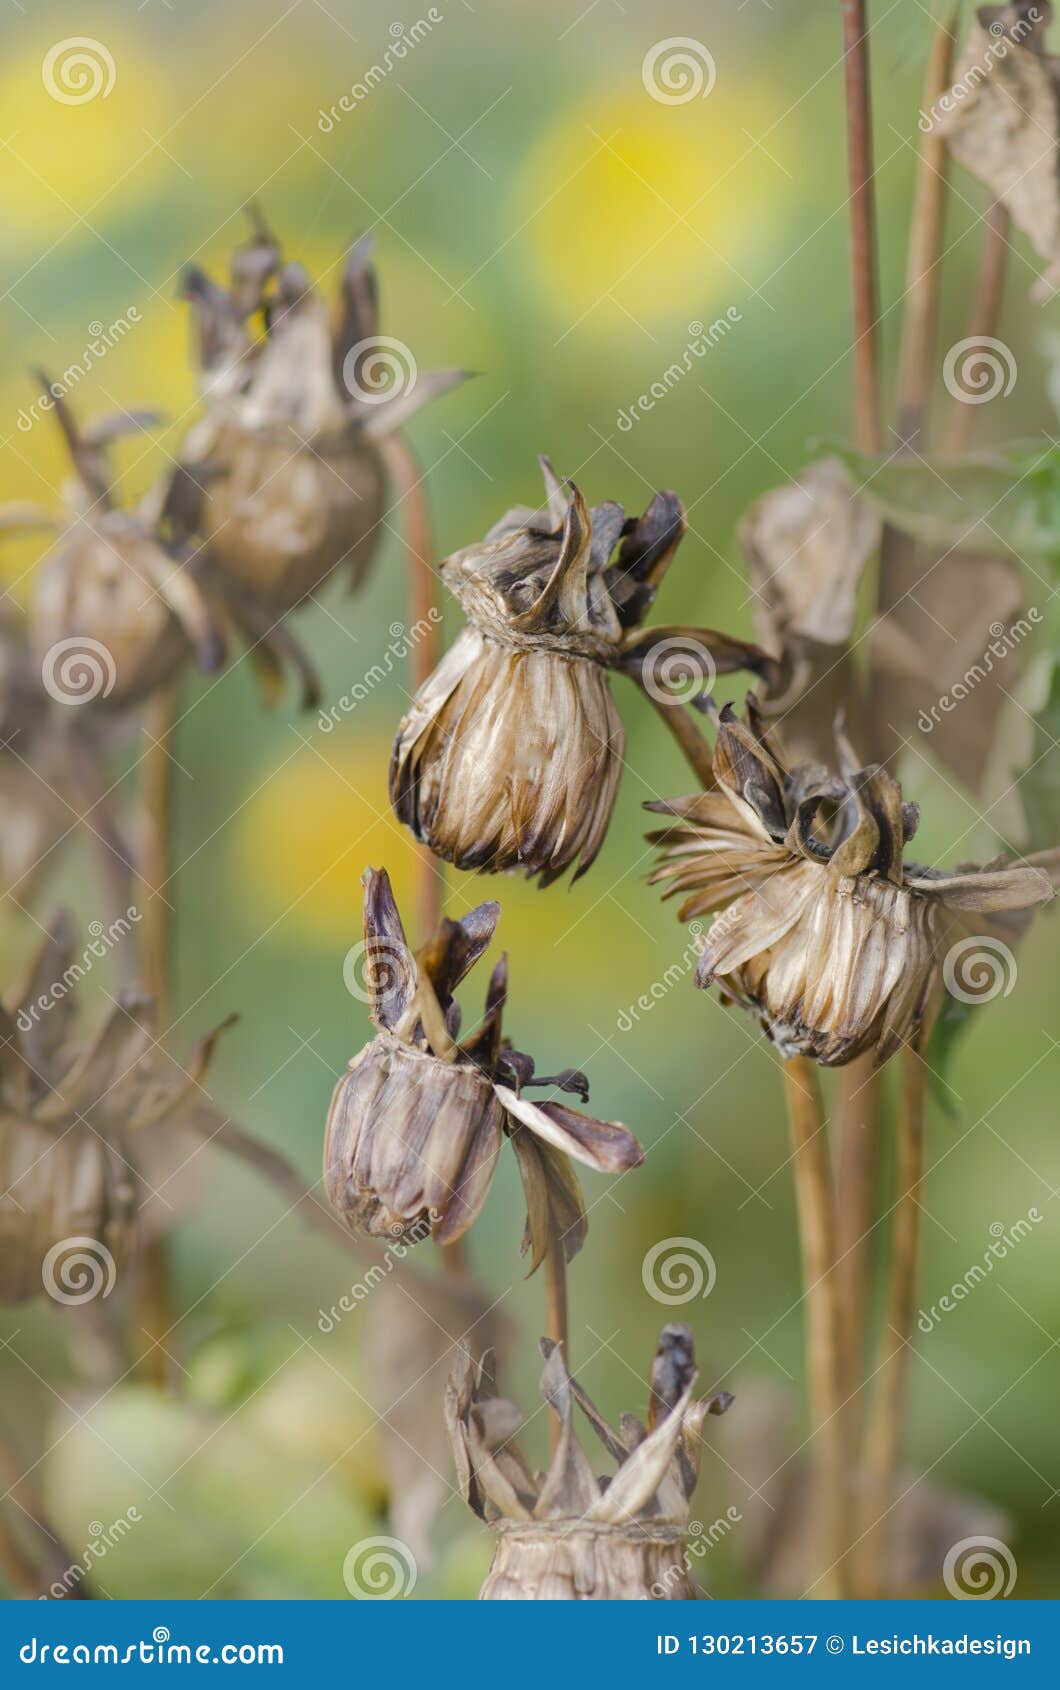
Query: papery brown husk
{"x": 548, "y": 719}
{"x": 426, "y": 1132}
{"x": 573, "y": 1561}
{"x": 280, "y": 514}
{"x": 66, "y": 1185}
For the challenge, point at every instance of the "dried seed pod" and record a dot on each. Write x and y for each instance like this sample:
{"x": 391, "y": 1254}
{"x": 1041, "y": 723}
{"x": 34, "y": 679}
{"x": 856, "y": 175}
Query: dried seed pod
{"x": 71, "y": 1116}
{"x": 417, "y": 1121}
{"x": 511, "y": 753}
{"x": 113, "y": 613}
{"x": 826, "y": 933}
{"x": 568, "y": 1535}
{"x": 287, "y": 460}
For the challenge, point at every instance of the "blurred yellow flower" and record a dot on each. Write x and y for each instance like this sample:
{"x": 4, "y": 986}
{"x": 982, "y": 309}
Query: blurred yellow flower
{"x": 632, "y": 206}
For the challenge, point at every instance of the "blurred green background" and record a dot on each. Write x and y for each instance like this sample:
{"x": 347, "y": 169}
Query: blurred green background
{"x": 542, "y": 221}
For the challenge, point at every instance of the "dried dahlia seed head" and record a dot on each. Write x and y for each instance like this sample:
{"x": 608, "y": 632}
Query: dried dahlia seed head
{"x": 418, "y": 1118}
{"x": 568, "y": 1535}
{"x": 823, "y": 930}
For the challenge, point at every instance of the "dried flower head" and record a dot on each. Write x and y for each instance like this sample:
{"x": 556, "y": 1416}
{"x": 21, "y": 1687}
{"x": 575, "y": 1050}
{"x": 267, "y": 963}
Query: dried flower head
{"x": 827, "y": 933}
{"x": 287, "y": 458}
{"x": 567, "y": 1535}
{"x": 114, "y": 613}
{"x": 74, "y": 1126}
{"x": 417, "y": 1120}
{"x": 511, "y": 753}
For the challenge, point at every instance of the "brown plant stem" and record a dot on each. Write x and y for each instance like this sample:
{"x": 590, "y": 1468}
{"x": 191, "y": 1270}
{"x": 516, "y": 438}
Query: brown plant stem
{"x": 154, "y": 1316}
{"x": 679, "y": 723}
{"x": 815, "y": 1202}
{"x": 982, "y": 324}
{"x": 884, "y": 1436}
{"x": 924, "y": 262}
{"x": 857, "y": 1111}
{"x": 556, "y": 1315}
{"x": 862, "y": 224}
{"x": 424, "y": 634}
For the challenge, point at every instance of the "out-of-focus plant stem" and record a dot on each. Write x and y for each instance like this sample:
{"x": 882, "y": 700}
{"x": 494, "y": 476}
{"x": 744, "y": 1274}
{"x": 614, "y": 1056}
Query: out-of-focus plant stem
{"x": 884, "y": 1435}
{"x": 862, "y": 224}
{"x": 556, "y": 1315}
{"x": 154, "y": 1316}
{"x": 694, "y": 748}
{"x": 53, "y": 1562}
{"x": 815, "y": 1202}
{"x": 982, "y": 324}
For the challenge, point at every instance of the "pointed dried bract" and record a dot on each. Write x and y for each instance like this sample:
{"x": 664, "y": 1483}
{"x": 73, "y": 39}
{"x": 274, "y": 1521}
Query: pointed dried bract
{"x": 568, "y": 1535}
{"x": 806, "y": 545}
{"x": 76, "y": 1126}
{"x": 825, "y": 932}
{"x": 511, "y": 753}
{"x": 1002, "y": 121}
{"x": 417, "y": 1120}
{"x": 114, "y": 613}
{"x": 287, "y": 462}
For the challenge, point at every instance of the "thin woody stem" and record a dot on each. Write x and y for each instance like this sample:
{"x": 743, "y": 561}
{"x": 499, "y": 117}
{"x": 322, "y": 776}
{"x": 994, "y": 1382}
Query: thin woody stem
{"x": 862, "y": 224}
{"x": 982, "y": 324}
{"x": 154, "y": 1314}
{"x": 556, "y": 1313}
{"x": 693, "y": 746}
{"x": 815, "y": 1202}
{"x": 52, "y": 1564}
{"x": 424, "y": 634}
{"x": 884, "y": 1437}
